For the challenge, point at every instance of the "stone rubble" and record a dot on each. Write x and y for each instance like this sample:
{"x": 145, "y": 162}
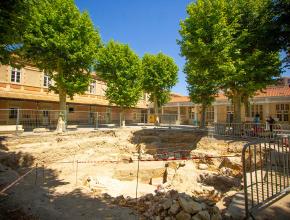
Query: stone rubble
{"x": 170, "y": 206}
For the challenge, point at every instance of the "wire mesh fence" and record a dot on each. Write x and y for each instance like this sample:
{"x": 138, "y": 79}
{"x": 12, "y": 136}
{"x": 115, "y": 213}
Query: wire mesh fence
{"x": 256, "y": 130}
{"x": 266, "y": 172}
{"x": 19, "y": 120}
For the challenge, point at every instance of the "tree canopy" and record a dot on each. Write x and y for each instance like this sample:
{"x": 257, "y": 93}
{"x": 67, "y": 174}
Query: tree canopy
{"x": 62, "y": 41}
{"x": 160, "y": 75}
{"x": 279, "y": 29}
{"x": 13, "y": 23}
{"x": 223, "y": 39}
{"x": 121, "y": 69}
{"x": 201, "y": 86}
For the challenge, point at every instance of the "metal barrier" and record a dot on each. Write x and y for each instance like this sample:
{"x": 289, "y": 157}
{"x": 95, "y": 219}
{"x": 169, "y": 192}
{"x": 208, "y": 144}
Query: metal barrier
{"x": 246, "y": 130}
{"x": 266, "y": 171}
{"x": 19, "y": 120}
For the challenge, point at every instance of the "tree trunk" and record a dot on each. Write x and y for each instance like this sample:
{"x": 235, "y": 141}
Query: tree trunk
{"x": 203, "y": 111}
{"x": 247, "y": 107}
{"x": 122, "y": 118}
{"x": 237, "y": 107}
{"x": 156, "y": 111}
{"x": 61, "y": 124}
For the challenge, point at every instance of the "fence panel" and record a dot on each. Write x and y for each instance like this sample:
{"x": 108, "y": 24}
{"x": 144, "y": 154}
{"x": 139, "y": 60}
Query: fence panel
{"x": 266, "y": 172}
{"x": 253, "y": 130}
{"x": 31, "y": 119}
{"x": 168, "y": 119}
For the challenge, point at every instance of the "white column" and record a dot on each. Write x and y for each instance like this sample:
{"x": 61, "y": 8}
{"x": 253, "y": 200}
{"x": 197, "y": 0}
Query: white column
{"x": 187, "y": 113}
{"x": 215, "y": 119}
{"x": 178, "y": 113}
{"x": 267, "y": 109}
{"x": 162, "y": 110}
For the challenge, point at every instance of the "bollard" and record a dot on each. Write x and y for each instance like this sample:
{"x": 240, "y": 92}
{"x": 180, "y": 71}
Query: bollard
{"x": 35, "y": 174}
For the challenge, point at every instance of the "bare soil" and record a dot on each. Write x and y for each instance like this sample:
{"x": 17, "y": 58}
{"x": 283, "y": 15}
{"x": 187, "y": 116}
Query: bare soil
{"x": 76, "y": 170}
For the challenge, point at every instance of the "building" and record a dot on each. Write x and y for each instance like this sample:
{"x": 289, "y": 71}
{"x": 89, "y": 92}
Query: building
{"x": 273, "y": 101}
{"x": 27, "y": 89}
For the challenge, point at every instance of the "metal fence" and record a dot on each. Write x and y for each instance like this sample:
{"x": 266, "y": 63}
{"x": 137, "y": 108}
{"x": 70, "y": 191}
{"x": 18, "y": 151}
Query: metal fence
{"x": 266, "y": 172}
{"x": 27, "y": 119}
{"x": 258, "y": 130}
{"x": 20, "y": 120}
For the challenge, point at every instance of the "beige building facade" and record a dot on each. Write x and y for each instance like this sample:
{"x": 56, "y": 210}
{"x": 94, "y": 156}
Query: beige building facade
{"x": 274, "y": 101}
{"x": 27, "y": 89}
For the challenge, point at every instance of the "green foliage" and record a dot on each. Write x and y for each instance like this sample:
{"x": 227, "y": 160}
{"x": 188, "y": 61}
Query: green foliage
{"x": 63, "y": 42}
{"x": 255, "y": 66}
{"x": 201, "y": 87}
{"x": 206, "y": 42}
{"x": 12, "y": 25}
{"x": 121, "y": 69}
{"x": 160, "y": 75}
{"x": 279, "y": 29}
{"x": 223, "y": 42}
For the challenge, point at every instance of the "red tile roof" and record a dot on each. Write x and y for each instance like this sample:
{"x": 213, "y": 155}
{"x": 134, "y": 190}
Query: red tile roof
{"x": 268, "y": 92}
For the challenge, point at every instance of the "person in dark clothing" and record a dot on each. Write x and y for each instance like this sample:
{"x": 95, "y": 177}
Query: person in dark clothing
{"x": 271, "y": 121}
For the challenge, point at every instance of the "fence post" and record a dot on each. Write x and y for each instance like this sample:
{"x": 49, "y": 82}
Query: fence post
{"x": 17, "y": 121}
{"x": 97, "y": 121}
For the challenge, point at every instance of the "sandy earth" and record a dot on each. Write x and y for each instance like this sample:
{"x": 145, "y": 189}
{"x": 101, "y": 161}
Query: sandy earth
{"x": 67, "y": 189}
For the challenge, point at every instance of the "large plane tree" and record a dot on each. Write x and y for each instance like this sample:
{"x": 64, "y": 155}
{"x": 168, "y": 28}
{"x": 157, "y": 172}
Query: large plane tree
{"x": 160, "y": 75}
{"x": 63, "y": 42}
{"x": 121, "y": 69}
{"x": 224, "y": 39}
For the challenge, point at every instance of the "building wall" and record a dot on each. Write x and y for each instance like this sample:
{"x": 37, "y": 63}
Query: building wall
{"x": 221, "y": 111}
{"x": 31, "y": 88}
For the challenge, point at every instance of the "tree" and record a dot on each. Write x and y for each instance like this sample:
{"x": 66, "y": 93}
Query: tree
{"x": 160, "y": 75}
{"x": 206, "y": 42}
{"x": 255, "y": 66}
{"x": 62, "y": 42}
{"x": 201, "y": 87}
{"x": 121, "y": 69}
{"x": 12, "y": 25}
{"x": 224, "y": 39}
{"x": 279, "y": 29}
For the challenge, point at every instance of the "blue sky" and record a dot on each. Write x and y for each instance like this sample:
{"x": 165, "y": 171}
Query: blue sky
{"x": 148, "y": 26}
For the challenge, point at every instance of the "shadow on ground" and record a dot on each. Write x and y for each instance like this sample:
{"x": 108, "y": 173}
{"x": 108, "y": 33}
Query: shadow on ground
{"x": 36, "y": 195}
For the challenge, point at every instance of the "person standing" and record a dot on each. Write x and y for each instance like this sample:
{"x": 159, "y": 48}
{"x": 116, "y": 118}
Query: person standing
{"x": 271, "y": 121}
{"x": 256, "y": 123}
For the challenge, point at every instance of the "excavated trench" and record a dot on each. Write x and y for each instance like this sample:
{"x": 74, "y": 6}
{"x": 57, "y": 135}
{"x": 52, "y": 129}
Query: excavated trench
{"x": 107, "y": 162}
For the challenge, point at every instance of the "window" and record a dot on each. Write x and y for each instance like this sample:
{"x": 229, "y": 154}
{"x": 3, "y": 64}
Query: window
{"x": 45, "y": 113}
{"x": 13, "y": 113}
{"x": 191, "y": 113}
{"x": 71, "y": 110}
{"x": 46, "y": 80}
{"x": 210, "y": 114}
{"x": 15, "y": 75}
{"x": 230, "y": 113}
{"x": 282, "y": 112}
{"x": 257, "y": 109}
{"x": 92, "y": 87}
